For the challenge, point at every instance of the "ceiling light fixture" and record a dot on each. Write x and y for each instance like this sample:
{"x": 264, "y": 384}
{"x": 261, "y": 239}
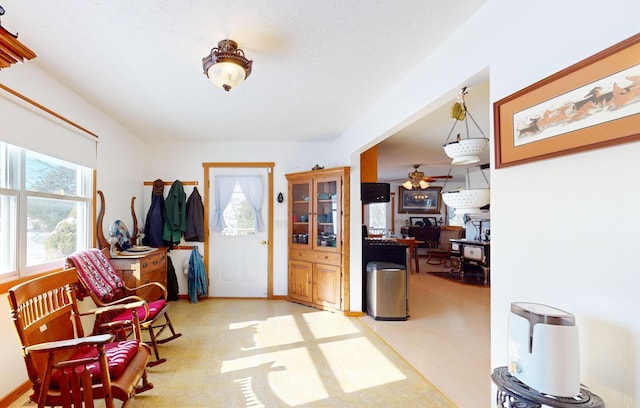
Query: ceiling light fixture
{"x": 469, "y": 200}
{"x": 464, "y": 151}
{"x": 415, "y": 180}
{"x": 226, "y": 66}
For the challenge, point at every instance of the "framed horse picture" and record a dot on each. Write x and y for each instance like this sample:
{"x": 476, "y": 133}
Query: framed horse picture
{"x": 591, "y": 104}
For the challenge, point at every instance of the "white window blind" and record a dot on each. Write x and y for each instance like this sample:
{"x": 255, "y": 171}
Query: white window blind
{"x": 25, "y": 125}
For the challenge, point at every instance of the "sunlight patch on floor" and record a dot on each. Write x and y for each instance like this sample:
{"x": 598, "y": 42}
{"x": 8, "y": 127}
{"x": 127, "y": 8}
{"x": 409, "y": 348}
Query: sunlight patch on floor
{"x": 275, "y": 331}
{"x": 249, "y": 394}
{"x": 299, "y": 382}
{"x": 292, "y": 376}
{"x": 324, "y": 325}
{"x": 357, "y": 364}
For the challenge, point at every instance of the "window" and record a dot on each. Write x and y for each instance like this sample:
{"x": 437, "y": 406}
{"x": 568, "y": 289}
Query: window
{"x": 377, "y": 218}
{"x": 238, "y": 216}
{"x": 45, "y": 207}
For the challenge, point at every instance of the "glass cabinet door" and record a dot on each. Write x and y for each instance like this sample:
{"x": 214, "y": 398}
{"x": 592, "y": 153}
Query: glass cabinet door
{"x": 301, "y": 213}
{"x": 327, "y": 218}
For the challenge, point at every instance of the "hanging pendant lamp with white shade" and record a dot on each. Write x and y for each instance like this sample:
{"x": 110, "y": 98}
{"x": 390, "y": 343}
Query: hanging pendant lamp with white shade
{"x": 469, "y": 200}
{"x": 464, "y": 151}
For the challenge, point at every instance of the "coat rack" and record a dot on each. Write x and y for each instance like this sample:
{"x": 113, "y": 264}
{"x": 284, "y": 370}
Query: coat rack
{"x": 168, "y": 183}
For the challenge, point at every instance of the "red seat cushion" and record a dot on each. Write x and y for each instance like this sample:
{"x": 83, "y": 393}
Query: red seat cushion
{"x": 154, "y": 308}
{"x": 118, "y": 356}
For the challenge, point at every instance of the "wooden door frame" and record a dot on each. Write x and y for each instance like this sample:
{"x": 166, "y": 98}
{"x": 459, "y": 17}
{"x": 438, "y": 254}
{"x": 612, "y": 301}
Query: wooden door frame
{"x": 207, "y": 182}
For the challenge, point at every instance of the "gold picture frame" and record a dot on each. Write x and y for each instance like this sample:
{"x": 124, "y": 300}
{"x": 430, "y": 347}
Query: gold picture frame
{"x": 422, "y": 201}
{"x": 591, "y": 104}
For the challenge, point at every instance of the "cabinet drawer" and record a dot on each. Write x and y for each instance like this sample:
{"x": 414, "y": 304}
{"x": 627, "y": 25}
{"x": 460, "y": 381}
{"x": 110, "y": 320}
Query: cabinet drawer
{"x": 315, "y": 257}
{"x": 152, "y": 262}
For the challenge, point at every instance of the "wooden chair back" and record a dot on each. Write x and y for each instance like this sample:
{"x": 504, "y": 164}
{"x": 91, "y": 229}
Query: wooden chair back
{"x": 45, "y": 314}
{"x": 447, "y": 233}
{"x": 44, "y": 310}
{"x": 99, "y": 278}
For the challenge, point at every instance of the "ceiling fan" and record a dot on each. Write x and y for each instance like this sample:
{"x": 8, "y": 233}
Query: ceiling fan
{"x": 417, "y": 180}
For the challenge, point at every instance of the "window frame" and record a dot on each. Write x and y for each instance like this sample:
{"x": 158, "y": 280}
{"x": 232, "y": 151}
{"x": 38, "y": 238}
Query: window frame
{"x": 13, "y": 184}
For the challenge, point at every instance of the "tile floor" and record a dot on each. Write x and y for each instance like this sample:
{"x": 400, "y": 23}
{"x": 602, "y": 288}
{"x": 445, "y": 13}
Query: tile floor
{"x": 447, "y": 337}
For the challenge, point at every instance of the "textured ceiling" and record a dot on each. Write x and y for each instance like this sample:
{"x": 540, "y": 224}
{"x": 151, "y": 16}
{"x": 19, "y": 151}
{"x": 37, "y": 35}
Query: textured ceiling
{"x": 318, "y": 64}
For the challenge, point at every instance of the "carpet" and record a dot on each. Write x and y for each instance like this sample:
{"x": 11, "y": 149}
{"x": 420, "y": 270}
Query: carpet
{"x": 273, "y": 353}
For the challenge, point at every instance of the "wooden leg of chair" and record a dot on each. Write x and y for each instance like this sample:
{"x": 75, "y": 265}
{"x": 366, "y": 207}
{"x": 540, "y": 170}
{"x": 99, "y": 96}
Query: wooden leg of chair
{"x": 174, "y": 335}
{"x": 145, "y": 386}
{"x": 154, "y": 346}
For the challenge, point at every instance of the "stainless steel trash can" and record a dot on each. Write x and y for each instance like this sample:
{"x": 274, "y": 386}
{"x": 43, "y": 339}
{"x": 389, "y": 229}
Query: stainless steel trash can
{"x": 387, "y": 294}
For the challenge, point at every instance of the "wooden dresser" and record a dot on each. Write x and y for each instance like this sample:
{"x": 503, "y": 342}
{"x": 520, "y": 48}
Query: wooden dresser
{"x": 138, "y": 269}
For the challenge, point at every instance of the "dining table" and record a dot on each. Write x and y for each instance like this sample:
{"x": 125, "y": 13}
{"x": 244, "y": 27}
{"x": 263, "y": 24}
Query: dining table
{"x": 412, "y": 243}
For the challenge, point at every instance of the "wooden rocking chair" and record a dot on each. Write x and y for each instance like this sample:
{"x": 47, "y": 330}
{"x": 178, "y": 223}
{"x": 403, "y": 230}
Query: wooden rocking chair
{"x": 102, "y": 282}
{"x": 65, "y": 367}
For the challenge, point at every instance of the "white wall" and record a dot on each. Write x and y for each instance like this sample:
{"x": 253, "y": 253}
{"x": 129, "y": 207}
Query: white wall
{"x": 546, "y": 245}
{"x": 545, "y": 249}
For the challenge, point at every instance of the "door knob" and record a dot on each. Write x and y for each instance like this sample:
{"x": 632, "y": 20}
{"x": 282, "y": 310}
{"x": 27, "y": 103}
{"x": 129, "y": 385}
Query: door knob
{"x": 263, "y": 242}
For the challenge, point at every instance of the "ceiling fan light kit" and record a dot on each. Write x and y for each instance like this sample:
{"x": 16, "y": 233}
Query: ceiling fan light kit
{"x": 416, "y": 180}
{"x": 464, "y": 150}
{"x": 226, "y": 66}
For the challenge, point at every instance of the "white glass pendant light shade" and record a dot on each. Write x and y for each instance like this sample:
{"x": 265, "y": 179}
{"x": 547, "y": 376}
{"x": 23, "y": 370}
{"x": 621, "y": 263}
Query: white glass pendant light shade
{"x": 467, "y": 201}
{"x": 226, "y": 75}
{"x": 415, "y": 184}
{"x": 465, "y": 151}
{"x": 226, "y": 66}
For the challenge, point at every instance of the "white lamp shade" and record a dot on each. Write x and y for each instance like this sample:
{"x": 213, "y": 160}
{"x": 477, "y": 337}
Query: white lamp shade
{"x": 410, "y": 184}
{"x": 467, "y": 201}
{"x": 465, "y": 151}
{"x": 461, "y": 160}
{"x": 226, "y": 73}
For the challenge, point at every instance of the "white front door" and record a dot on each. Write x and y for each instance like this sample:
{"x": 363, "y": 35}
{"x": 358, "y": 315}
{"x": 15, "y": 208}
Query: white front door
{"x": 238, "y": 255}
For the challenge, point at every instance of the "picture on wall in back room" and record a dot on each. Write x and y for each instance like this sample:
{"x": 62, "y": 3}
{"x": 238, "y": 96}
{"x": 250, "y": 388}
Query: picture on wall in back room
{"x": 419, "y": 201}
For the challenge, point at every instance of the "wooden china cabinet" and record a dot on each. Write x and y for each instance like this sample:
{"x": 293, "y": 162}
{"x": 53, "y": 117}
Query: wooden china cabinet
{"x": 319, "y": 238}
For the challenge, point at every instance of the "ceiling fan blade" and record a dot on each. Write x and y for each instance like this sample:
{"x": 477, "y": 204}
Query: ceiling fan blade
{"x": 432, "y": 178}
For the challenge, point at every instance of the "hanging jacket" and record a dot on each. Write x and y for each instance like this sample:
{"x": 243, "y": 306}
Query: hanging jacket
{"x": 172, "y": 281}
{"x": 175, "y": 214}
{"x": 195, "y": 218}
{"x": 197, "y": 279}
{"x": 154, "y": 224}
